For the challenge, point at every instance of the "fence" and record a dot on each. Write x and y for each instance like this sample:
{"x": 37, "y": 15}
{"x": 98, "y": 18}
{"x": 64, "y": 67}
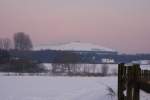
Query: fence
{"x": 130, "y": 80}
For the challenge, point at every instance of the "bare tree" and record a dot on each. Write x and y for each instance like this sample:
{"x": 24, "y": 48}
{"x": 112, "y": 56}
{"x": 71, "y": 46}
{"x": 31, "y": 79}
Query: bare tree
{"x": 104, "y": 69}
{"x": 65, "y": 61}
{"x": 5, "y": 43}
{"x": 114, "y": 71}
{"x": 22, "y": 41}
{"x": 1, "y": 43}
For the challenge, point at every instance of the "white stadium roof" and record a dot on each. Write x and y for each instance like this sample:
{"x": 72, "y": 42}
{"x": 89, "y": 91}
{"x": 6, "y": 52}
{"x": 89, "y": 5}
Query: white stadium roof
{"x": 74, "y": 46}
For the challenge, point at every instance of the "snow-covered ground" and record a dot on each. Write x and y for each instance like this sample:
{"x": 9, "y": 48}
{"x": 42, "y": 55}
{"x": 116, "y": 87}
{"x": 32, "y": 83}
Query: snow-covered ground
{"x": 58, "y": 88}
{"x": 55, "y": 88}
{"x": 145, "y": 67}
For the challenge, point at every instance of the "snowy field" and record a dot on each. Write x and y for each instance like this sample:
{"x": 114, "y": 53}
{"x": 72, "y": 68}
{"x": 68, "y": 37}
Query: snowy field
{"x": 55, "y": 88}
{"x": 58, "y": 88}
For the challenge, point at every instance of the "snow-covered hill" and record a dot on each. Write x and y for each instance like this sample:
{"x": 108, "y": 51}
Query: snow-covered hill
{"x": 74, "y": 46}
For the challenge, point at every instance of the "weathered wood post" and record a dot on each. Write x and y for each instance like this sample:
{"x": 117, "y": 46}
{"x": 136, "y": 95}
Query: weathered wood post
{"x": 133, "y": 77}
{"x": 121, "y": 81}
{"x": 136, "y": 79}
{"x": 129, "y": 83}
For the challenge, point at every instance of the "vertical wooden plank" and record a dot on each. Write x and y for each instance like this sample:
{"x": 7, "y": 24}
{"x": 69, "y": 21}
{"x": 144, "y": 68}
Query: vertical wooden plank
{"x": 129, "y": 91}
{"x": 136, "y": 79}
{"x": 148, "y": 75}
{"x": 120, "y": 81}
{"x": 137, "y": 92}
{"x": 129, "y": 83}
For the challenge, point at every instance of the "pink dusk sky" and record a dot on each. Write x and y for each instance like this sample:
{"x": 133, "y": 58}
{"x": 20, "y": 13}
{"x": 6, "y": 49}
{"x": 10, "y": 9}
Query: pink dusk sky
{"x": 123, "y": 25}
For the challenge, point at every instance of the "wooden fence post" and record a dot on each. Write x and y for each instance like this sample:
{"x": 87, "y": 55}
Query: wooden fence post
{"x": 129, "y": 83}
{"x": 137, "y": 71}
{"x": 132, "y": 78}
{"x": 121, "y": 85}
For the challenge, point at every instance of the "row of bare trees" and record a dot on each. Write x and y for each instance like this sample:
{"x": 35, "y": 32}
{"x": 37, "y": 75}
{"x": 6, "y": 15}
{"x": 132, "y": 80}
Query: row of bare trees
{"x": 5, "y": 43}
{"x": 67, "y": 62}
{"x": 21, "y": 41}
{"x": 80, "y": 69}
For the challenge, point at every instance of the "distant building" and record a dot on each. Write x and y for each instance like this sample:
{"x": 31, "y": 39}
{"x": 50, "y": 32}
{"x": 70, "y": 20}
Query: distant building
{"x": 77, "y": 47}
{"x": 86, "y": 52}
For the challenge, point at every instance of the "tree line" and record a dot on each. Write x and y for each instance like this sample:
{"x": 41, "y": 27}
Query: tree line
{"x": 66, "y": 63}
{"x": 21, "y": 41}
{"x": 8, "y": 63}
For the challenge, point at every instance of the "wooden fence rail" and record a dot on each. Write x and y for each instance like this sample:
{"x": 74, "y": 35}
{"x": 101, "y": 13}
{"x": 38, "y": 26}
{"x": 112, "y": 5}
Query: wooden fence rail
{"x": 130, "y": 80}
